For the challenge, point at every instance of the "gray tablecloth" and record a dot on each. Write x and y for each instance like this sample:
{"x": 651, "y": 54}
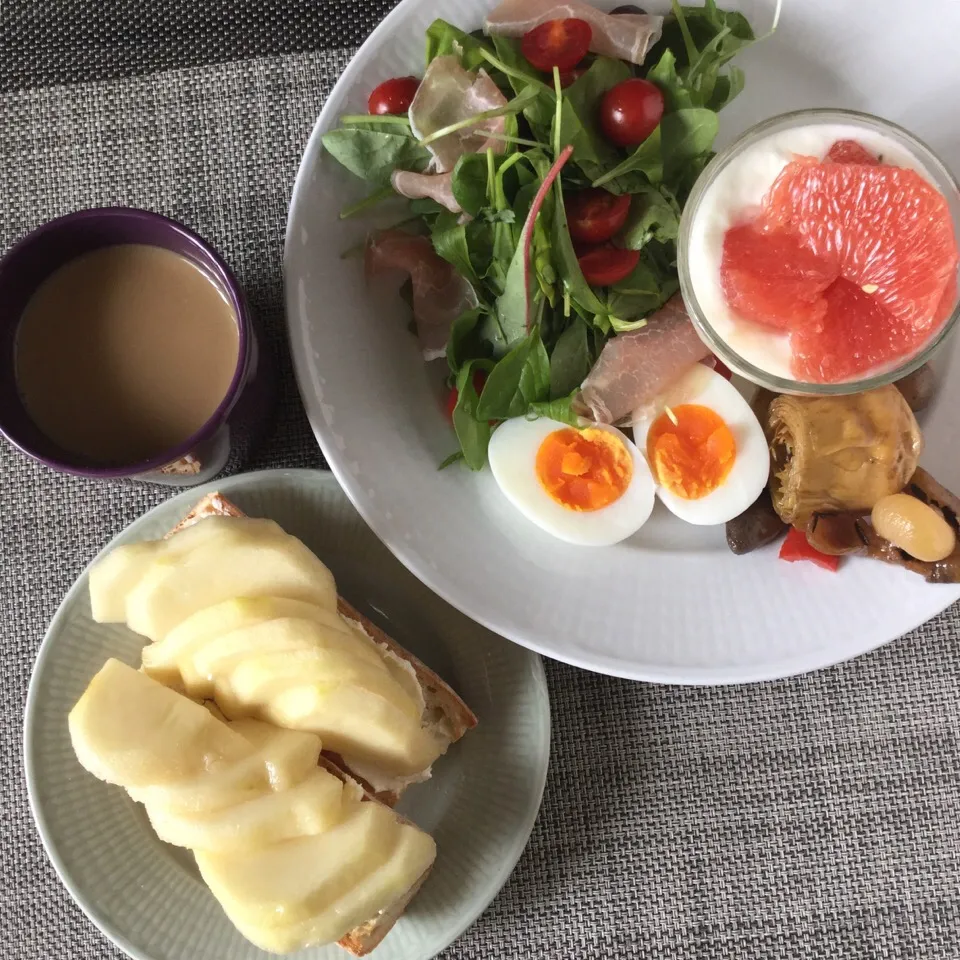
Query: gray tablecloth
{"x": 816, "y": 817}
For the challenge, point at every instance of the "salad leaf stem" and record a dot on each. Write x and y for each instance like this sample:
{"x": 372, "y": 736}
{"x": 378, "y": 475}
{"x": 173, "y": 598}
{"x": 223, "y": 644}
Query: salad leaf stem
{"x": 506, "y": 138}
{"x": 512, "y": 107}
{"x": 692, "y": 51}
{"x": 495, "y": 61}
{"x": 401, "y": 120}
{"x": 625, "y": 326}
{"x": 558, "y": 116}
{"x": 378, "y": 196}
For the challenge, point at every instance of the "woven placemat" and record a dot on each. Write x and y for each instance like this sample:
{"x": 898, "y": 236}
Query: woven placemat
{"x": 816, "y": 817}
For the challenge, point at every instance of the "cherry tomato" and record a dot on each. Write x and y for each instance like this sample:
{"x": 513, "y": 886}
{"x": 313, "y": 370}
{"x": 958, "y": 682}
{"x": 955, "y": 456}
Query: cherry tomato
{"x": 595, "y": 214}
{"x": 568, "y": 77}
{"x": 630, "y": 112}
{"x": 605, "y": 266}
{"x": 393, "y": 96}
{"x": 557, "y": 43}
{"x": 479, "y": 379}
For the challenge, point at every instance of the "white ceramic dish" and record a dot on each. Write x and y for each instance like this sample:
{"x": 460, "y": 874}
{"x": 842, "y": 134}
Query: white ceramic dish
{"x": 480, "y": 805}
{"x": 671, "y": 604}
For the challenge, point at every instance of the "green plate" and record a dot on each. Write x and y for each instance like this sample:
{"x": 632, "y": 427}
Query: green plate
{"x": 480, "y": 805}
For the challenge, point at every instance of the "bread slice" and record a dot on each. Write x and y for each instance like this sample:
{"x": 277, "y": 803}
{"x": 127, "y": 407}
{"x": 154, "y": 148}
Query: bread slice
{"x": 444, "y": 710}
{"x": 442, "y": 706}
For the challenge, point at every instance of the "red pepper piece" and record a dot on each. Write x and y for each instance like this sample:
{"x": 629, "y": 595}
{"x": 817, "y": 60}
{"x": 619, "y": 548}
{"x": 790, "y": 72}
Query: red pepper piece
{"x": 796, "y": 547}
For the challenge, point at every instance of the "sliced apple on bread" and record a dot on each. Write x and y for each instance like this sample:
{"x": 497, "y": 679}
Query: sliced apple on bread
{"x": 241, "y": 612}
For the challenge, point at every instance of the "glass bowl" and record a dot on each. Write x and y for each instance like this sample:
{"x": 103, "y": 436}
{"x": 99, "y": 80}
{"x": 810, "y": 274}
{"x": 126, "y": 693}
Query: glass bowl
{"x": 801, "y": 131}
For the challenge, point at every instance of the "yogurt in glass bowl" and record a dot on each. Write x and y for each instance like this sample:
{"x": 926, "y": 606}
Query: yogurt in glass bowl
{"x": 790, "y": 329}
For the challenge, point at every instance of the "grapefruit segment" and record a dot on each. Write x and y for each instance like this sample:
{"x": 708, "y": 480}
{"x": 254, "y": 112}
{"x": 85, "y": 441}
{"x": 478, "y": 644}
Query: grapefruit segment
{"x": 857, "y": 334}
{"x": 772, "y": 279}
{"x": 883, "y": 226}
{"x": 849, "y": 151}
{"x": 856, "y": 259}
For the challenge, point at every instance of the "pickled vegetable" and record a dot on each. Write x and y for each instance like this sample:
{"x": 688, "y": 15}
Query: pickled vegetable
{"x": 836, "y": 454}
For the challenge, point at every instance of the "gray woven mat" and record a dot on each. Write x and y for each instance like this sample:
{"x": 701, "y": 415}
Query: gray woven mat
{"x": 818, "y": 817}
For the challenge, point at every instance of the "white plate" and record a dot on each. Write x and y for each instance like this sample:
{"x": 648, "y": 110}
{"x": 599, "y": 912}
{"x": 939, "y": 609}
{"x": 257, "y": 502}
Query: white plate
{"x": 480, "y": 805}
{"x": 671, "y": 604}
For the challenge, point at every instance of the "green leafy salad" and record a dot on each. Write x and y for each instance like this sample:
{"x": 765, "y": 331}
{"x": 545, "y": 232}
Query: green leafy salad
{"x": 522, "y": 220}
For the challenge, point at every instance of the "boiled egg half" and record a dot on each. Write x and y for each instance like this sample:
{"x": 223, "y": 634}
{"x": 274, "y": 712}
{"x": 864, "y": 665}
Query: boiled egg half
{"x": 589, "y": 487}
{"x": 705, "y": 447}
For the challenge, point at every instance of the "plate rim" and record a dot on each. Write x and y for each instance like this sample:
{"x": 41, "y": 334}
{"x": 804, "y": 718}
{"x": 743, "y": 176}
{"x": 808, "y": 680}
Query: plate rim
{"x": 88, "y": 906}
{"x": 796, "y": 665}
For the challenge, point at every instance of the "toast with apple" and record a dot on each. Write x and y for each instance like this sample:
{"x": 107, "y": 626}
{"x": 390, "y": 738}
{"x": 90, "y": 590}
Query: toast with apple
{"x": 295, "y": 851}
{"x": 445, "y": 712}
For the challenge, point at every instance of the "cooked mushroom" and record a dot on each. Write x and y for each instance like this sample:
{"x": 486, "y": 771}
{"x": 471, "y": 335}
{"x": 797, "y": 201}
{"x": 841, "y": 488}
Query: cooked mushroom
{"x": 839, "y": 454}
{"x": 757, "y": 526}
{"x": 835, "y": 534}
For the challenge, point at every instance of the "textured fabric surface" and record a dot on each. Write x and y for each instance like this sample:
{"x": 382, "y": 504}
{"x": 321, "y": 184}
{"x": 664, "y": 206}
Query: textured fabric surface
{"x": 816, "y": 817}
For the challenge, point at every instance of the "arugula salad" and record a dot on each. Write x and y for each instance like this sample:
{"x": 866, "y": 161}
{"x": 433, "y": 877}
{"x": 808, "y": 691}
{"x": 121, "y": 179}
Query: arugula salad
{"x": 546, "y": 160}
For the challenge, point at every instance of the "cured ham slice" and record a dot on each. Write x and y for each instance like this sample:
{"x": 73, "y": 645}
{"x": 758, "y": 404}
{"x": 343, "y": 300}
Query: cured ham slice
{"x": 436, "y": 186}
{"x": 634, "y": 368}
{"x": 625, "y": 36}
{"x": 440, "y": 294}
{"x": 448, "y": 94}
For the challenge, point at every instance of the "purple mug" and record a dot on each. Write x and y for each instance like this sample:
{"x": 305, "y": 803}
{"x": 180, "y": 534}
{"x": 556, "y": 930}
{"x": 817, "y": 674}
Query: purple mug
{"x": 234, "y": 428}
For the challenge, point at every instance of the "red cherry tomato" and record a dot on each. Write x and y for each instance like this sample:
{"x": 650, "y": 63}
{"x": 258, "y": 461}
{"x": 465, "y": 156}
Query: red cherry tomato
{"x": 479, "y": 379}
{"x": 569, "y": 77}
{"x": 595, "y": 214}
{"x": 557, "y": 43}
{"x": 605, "y": 266}
{"x": 393, "y": 96}
{"x": 630, "y": 112}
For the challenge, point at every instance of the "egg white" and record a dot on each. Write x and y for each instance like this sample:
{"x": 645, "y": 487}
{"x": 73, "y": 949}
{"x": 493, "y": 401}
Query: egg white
{"x": 702, "y": 386}
{"x": 512, "y": 457}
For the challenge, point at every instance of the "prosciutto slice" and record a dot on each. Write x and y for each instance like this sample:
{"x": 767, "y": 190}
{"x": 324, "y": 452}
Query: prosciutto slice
{"x": 448, "y": 94}
{"x": 634, "y": 368}
{"x": 436, "y": 186}
{"x": 440, "y": 294}
{"x": 625, "y": 36}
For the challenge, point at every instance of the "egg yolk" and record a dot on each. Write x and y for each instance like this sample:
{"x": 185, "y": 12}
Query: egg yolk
{"x": 694, "y": 455}
{"x": 584, "y": 469}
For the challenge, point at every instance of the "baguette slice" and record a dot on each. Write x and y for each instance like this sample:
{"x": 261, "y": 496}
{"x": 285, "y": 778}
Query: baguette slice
{"x": 443, "y": 708}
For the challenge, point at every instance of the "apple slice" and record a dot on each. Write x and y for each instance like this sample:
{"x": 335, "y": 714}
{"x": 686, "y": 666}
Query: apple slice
{"x": 307, "y": 808}
{"x": 378, "y": 891}
{"x": 221, "y": 558}
{"x": 130, "y": 730}
{"x": 288, "y": 883}
{"x": 253, "y": 683}
{"x": 162, "y": 660}
{"x": 358, "y": 724}
{"x": 113, "y": 577}
{"x": 317, "y": 638}
{"x": 277, "y": 760}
